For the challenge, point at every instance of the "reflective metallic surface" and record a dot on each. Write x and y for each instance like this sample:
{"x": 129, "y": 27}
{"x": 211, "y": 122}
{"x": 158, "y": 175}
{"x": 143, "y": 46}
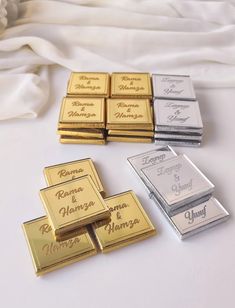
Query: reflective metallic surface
{"x": 73, "y": 140}
{"x": 131, "y": 85}
{"x": 191, "y": 217}
{"x": 82, "y": 132}
{"x": 129, "y": 139}
{"x": 73, "y": 204}
{"x": 200, "y": 217}
{"x": 83, "y": 112}
{"x": 129, "y": 223}
{"x": 173, "y": 87}
{"x": 47, "y": 254}
{"x": 177, "y": 182}
{"x": 129, "y": 114}
{"x": 70, "y": 170}
{"x": 140, "y": 133}
{"x": 89, "y": 84}
{"x": 177, "y": 115}
{"x": 177, "y": 143}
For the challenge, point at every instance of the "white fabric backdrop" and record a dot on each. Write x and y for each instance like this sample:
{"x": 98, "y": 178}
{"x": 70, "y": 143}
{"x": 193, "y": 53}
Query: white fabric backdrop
{"x": 175, "y": 36}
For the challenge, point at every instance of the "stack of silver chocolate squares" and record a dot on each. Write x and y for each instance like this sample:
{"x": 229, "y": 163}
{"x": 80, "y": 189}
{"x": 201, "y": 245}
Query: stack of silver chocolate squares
{"x": 176, "y": 111}
{"x": 179, "y": 189}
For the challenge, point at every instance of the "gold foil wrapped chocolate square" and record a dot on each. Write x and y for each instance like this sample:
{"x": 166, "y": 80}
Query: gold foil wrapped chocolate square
{"x": 129, "y": 139}
{"x": 129, "y": 223}
{"x": 129, "y": 114}
{"x": 73, "y": 204}
{"x": 47, "y": 254}
{"x": 130, "y": 133}
{"x": 78, "y": 140}
{"x": 131, "y": 85}
{"x": 82, "y": 113}
{"x": 87, "y": 133}
{"x": 71, "y": 170}
{"x": 88, "y": 84}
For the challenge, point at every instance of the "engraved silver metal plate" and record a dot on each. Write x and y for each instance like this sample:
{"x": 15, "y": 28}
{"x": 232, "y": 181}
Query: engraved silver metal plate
{"x": 150, "y": 158}
{"x": 173, "y": 87}
{"x": 178, "y": 143}
{"x": 177, "y": 137}
{"x": 195, "y": 219}
{"x": 173, "y": 115}
{"x": 177, "y": 182}
{"x": 199, "y": 218}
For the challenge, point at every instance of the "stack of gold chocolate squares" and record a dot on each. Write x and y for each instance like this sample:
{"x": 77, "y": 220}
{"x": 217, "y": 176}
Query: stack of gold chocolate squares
{"x": 82, "y": 115}
{"x": 78, "y": 218}
{"x": 129, "y": 110}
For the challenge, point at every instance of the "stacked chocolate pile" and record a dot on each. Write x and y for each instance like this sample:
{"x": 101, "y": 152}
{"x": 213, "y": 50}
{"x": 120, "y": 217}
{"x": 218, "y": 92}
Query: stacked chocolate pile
{"x": 176, "y": 111}
{"x": 129, "y": 110}
{"x": 180, "y": 190}
{"x": 99, "y": 108}
{"x": 77, "y": 213}
{"x": 82, "y": 115}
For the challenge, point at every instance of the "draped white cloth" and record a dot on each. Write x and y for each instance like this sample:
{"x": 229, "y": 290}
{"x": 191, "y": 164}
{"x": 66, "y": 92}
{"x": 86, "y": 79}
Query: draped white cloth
{"x": 174, "y": 36}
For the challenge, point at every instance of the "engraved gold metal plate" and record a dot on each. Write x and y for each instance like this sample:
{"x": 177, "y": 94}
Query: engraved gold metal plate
{"x": 129, "y": 139}
{"x": 82, "y": 132}
{"x": 129, "y": 114}
{"x": 73, "y": 204}
{"x": 133, "y": 133}
{"x": 71, "y": 170}
{"x": 82, "y": 113}
{"x": 73, "y": 140}
{"x": 129, "y": 223}
{"x": 131, "y": 85}
{"x": 47, "y": 254}
{"x": 89, "y": 84}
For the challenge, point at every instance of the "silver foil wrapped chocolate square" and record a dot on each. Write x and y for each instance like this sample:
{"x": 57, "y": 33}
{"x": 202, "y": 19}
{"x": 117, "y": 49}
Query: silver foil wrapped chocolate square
{"x": 185, "y": 137}
{"x": 177, "y": 143}
{"x": 177, "y": 116}
{"x": 177, "y": 182}
{"x": 150, "y": 158}
{"x": 195, "y": 219}
{"x": 173, "y": 87}
{"x": 199, "y": 218}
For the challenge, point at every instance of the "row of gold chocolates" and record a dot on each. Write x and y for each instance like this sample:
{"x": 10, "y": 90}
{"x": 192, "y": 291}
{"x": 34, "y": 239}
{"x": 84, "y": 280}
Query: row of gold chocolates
{"x": 100, "y": 107}
{"x": 75, "y": 209}
{"x": 86, "y": 117}
{"x": 119, "y": 85}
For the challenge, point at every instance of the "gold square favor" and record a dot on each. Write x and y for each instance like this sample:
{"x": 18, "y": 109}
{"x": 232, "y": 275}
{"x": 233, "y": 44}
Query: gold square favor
{"x": 82, "y": 113}
{"x": 129, "y": 223}
{"x": 89, "y": 84}
{"x": 73, "y": 204}
{"x": 88, "y": 133}
{"x": 129, "y": 139}
{"x": 47, "y": 254}
{"x": 130, "y": 133}
{"x": 71, "y": 170}
{"x": 79, "y": 140}
{"x": 127, "y": 85}
{"x": 129, "y": 114}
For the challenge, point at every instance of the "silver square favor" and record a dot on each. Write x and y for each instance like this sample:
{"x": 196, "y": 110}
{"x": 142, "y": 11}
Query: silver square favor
{"x": 195, "y": 219}
{"x": 150, "y": 158}
{"x": 177, "y": 182}
{"x": 177, "y": 116}
{"x": 173, "y": 87}
{"x": 177, "y": 143}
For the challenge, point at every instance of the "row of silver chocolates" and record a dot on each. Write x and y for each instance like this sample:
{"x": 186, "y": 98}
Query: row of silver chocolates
{"x": 176, "y": 111}
{"x": 179, "y": 189}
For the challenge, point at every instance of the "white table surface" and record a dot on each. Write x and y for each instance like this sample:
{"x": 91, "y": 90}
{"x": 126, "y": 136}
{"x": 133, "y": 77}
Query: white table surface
{"x": 159, "y": 272}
